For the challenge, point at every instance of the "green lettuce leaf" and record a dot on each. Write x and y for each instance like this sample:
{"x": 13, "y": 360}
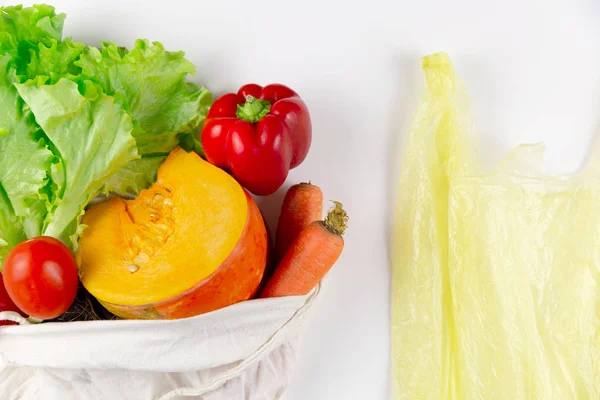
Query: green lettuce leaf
{"x": 32, "y": 37}
{"x": 134, "y": 177}
{"x": 11, "y": 229}
{"x": 92, "y": 134}
{"x": 76, "y": 121}
{"x": 56, "y": 60}
{"x": 35, "y": 24}
{"x": 153, "y": 84}
{"x": 25, "y": 160}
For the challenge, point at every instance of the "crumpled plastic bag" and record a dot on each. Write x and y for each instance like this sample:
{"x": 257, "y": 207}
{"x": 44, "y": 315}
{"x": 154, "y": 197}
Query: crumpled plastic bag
{"x": 495, "y": 273}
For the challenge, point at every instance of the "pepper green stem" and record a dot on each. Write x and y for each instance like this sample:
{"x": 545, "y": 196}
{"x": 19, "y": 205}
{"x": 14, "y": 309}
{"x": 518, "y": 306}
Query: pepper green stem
{"x": 253, "y": 109}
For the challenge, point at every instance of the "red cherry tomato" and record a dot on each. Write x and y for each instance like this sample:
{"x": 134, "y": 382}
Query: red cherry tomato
{"x": 6, "y": 304}
{"x": 40, "y": 276}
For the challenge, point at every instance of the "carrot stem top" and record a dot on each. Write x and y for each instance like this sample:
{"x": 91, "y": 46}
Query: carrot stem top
{"x": 337, "y": 219}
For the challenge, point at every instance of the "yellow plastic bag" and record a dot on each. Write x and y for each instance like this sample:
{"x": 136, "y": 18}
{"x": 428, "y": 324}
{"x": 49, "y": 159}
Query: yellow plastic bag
{"x": 495, "y": 274}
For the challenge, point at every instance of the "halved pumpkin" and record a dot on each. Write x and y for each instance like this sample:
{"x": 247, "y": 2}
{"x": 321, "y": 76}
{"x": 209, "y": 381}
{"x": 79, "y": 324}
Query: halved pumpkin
{"x": 193, "y": 242}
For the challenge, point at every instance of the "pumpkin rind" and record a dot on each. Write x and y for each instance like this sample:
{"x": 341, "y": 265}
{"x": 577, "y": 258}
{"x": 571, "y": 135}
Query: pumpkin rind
{"x": 193, "y": 242}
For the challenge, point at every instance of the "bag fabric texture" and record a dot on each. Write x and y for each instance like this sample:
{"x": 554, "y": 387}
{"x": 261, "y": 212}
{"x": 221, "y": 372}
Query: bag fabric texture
{"x": 244, "y": 351}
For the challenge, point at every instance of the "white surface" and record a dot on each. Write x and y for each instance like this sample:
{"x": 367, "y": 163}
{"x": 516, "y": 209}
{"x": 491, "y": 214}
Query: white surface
{"x": 532, "y": 68}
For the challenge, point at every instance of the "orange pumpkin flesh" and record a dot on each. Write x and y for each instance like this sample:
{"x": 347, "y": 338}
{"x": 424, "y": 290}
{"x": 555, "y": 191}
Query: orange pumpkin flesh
{"x": 192, "y": 243}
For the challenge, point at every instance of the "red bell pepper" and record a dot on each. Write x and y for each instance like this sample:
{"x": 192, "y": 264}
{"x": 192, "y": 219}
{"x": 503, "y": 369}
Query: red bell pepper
{"x": 259, "y": 134}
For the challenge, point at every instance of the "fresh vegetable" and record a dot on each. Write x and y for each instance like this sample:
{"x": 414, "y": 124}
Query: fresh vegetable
{"x": 312, "y": 254}
{"x": 193, "y": 242}
{"x": 77, "y": 121}
{"x": 152, "y": 85}
{"x": 259, "y": 134}
{"x": 6, "y": 304}
{"x": 40, "y": 276}
{"x": 73, "y": 121}
{"x": 133, "y": 177}
{"x": 303, "y": 204}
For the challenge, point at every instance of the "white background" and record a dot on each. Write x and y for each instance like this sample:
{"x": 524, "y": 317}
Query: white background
{"x": 532, "y": 68}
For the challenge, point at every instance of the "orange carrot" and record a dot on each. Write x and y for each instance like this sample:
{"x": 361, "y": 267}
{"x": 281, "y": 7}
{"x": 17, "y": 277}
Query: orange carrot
{"x": 303, "y": 204}
{"x": 312, "y": 254}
